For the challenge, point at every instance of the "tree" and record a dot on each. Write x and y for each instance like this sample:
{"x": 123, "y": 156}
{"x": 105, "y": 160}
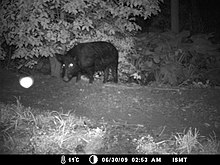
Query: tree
{"x": 175, "y": 16}
{"x": 41, "y": 27}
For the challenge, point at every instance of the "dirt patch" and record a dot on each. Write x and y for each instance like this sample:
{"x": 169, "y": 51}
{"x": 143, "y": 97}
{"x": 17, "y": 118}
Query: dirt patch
{"x": 168, "y": 109}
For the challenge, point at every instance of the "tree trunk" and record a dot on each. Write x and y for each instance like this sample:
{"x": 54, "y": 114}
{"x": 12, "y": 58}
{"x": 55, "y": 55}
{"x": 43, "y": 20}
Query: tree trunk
{"x": 175, "y": 16}
{"x": 195, "y": 19}
{"x": 55, "y": 67}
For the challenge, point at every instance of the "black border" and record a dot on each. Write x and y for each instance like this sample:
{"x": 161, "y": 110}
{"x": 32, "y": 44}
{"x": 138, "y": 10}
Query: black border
{"x": 109, "y": 159}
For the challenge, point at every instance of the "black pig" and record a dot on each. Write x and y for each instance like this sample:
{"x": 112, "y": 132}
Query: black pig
{"x": 87, "y": 58}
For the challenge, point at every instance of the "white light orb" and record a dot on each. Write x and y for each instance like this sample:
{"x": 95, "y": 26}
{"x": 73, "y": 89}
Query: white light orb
{"x": 26, "y": 82}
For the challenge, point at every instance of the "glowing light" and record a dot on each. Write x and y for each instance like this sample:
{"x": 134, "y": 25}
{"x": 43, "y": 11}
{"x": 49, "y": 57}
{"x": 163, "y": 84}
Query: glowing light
{"x": 26, "y": 82}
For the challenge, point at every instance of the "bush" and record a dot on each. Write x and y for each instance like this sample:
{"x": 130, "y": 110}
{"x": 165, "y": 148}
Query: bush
{"x": 176, "y": 58}
{"x": 43, "y": 28}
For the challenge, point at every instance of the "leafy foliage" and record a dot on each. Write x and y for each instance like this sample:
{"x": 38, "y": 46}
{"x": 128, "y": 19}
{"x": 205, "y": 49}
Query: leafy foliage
{"x": 176, "y": 59}
{"x": 44, "y": 27}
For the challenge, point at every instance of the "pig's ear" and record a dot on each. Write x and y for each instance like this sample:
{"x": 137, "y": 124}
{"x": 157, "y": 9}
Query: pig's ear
{"x": 59, "y": 57}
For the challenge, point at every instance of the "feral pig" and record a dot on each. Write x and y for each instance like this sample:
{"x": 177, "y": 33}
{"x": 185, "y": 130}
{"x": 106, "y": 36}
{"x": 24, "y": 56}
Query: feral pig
{"x": 88, "y": 58}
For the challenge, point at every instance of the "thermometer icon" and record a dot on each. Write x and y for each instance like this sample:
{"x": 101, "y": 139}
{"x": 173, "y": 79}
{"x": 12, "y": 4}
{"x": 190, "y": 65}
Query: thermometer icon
{"x": 63, "y": 161}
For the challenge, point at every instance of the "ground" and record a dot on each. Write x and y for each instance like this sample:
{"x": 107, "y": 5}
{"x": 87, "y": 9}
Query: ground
{"x": 160, "y": 110}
